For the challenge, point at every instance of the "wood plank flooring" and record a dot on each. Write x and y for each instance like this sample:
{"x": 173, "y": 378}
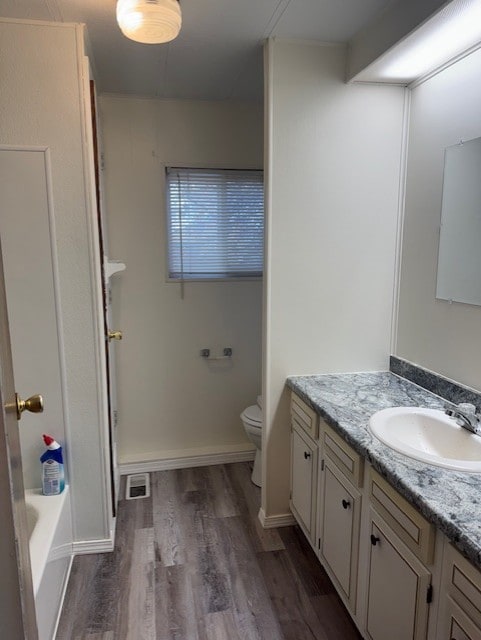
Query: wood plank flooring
{"x": 192, "y": 562}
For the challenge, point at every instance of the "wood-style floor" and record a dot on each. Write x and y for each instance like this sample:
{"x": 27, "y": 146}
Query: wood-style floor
{"x": 192, "y": 562}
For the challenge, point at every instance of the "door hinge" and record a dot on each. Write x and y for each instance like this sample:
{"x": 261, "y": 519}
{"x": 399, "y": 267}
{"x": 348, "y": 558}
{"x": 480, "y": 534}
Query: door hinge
{"x": 429, "y": 594}
{"x": 318, "y": 543}
{"x": 322, "y": 464}
{"x": 102, "y": 161}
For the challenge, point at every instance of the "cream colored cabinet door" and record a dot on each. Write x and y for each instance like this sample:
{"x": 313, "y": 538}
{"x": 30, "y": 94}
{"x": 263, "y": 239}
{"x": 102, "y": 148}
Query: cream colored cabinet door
{"x": 458, "y": 633}
{"x": 339, "y": 524}
{"x": 455, "y": 624}
{"x": 303, "y": 480}
{"x": 460, "y": 610}
{"x": 398, "y": 587}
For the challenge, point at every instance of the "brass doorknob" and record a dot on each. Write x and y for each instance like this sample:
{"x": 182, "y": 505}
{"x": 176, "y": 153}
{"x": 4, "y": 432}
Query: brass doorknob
{"x": 34, "y": 404}
{"x": 114, "y": 335}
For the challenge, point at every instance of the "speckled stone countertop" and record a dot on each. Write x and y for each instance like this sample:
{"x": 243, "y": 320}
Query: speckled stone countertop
{"x": 449, "y": 499}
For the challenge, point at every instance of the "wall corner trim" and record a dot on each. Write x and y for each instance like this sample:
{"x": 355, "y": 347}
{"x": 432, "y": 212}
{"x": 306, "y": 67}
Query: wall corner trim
{"x": 278, "y": 520}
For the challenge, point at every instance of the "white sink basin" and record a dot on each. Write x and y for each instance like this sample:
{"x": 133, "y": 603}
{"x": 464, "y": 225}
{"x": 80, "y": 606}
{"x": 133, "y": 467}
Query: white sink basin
{"x": 428, "y": 435}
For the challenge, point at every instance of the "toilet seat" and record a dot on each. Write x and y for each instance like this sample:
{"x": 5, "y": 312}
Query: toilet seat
{"x": 253, "y": 416}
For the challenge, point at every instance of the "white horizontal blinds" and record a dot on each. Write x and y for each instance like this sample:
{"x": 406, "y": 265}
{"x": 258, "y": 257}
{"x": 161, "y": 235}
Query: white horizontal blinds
{"x": 216, "y": 223}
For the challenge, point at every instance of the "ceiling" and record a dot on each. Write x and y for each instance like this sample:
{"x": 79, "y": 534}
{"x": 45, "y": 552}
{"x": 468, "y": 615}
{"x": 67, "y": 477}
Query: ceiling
{"x": 218, "y": 54}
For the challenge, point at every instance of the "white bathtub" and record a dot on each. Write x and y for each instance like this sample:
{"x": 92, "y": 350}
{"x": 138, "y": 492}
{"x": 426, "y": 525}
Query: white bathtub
{"x": 50, "y": 529}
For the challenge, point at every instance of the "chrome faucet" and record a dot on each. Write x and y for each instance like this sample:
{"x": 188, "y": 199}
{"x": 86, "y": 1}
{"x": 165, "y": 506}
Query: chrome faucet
{"x": 466, "y": 417}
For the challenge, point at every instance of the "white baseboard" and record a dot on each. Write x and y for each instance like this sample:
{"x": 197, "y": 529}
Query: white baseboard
{"x": 279, "y": 520}
{"x": 83, "y": 547}
{"x": 184, "y": 462}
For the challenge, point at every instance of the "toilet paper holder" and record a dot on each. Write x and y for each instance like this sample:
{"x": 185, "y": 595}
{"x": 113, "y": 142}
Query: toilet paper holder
{"x": 226, "y": 354}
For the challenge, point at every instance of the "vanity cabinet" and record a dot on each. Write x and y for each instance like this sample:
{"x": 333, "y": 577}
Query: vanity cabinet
{"x": 385, "y": 558}
{"x": 460, "y": 617}
{"x": 304, "y": 456}
{"x": 339, "y": 512}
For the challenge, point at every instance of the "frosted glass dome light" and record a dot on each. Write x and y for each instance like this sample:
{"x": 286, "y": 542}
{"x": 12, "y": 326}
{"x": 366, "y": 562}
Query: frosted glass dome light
{"x": 149, "y": 21}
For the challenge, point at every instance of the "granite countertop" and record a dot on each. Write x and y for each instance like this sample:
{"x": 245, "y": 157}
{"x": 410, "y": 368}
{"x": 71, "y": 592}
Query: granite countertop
{"x": 449, "y": 499}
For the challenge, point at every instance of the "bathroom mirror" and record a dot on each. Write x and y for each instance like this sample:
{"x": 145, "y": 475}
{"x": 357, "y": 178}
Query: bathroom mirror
{"x": 459, "y": 259}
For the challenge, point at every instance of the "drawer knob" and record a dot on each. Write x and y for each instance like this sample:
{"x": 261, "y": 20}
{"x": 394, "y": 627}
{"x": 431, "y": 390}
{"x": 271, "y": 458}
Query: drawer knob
{"x": 346, "y": 504}
{"x": 374, "y": 540}
{"x": 307, "y": 455}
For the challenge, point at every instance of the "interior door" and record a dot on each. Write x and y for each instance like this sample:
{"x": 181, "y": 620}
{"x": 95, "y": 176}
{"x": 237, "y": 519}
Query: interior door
{"x": 112, "y": 338}
{"x": 27, "y": 228}
{"x": 17, "y": 604}
{"x": 107, "y": 309}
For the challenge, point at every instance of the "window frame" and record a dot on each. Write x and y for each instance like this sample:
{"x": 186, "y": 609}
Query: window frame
{"x": 165, "y": 222}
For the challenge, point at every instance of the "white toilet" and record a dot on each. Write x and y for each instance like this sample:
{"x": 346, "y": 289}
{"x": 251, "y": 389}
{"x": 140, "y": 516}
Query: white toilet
{"x": 252, "y": 421}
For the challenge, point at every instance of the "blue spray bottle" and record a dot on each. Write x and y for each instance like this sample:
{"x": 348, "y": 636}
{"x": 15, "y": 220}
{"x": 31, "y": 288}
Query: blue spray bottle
{"x": 53, "y": 479}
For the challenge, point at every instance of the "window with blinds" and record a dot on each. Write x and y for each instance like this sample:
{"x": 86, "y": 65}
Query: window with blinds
{"x": 215, "y": 220}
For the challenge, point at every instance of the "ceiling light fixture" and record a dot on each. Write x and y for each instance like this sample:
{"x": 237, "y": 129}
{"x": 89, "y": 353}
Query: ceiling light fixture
{"x": 450, "y": 32}
{"x": 149, "y": 21}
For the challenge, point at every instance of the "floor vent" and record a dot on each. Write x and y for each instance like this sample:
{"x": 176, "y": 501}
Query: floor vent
{"x": 138, "y": 486}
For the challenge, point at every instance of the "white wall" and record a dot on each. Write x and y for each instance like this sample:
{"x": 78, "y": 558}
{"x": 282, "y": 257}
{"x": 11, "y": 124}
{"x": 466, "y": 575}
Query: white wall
{"x": 171, "y": 402}
{"x": 41, "y": 105}
{"x": 440, "y": 336}
{"x": 333, "y": 152}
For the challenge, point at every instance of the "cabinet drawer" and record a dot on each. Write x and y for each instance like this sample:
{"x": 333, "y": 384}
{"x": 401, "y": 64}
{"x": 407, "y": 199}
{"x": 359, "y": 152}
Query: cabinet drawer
{"x": 344, "y": 457}
{"x": 463, "y": 583}
{"x": 304, "y": 417}
{"x": 412, "y": 528}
